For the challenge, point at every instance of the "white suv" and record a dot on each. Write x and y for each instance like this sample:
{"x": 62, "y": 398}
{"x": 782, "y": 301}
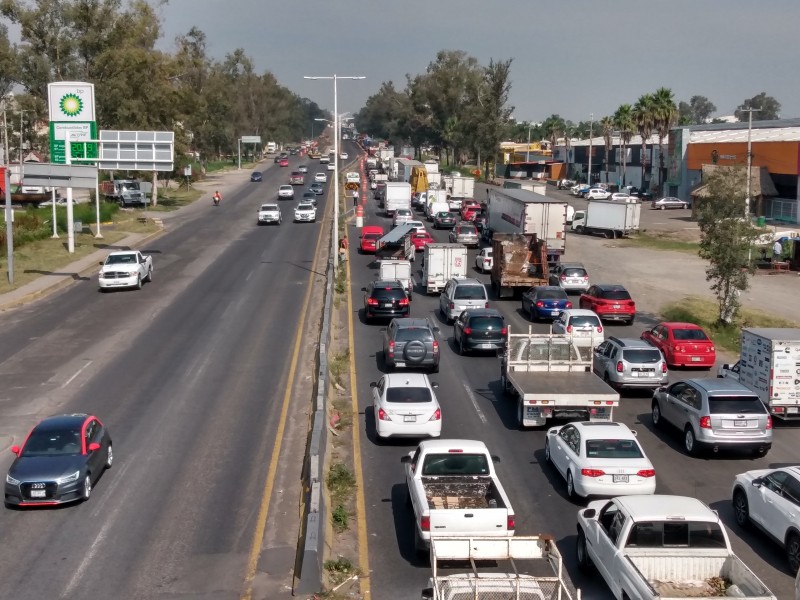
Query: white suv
{"x": 583, "y": 325}
{"x": 460, "y": 295}
{"x": 286, "y": 192}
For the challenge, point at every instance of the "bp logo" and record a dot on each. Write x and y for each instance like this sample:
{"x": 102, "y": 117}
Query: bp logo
{"x": 71, "y": 105}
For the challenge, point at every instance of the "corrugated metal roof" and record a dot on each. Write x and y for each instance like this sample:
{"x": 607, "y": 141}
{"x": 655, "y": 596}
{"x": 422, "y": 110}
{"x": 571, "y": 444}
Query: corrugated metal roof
{"x": 777, "y": 134}
{"x": 396, "y": 234}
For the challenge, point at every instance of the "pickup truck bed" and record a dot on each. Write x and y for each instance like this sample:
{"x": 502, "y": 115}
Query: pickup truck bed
{"x": 456, "y": 495}
{"x": 561, "y": 386}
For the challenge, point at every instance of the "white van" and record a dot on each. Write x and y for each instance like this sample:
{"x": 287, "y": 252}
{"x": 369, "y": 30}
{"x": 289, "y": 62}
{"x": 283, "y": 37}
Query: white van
{"x": 437, "y": 207}
{"x": 352, "y": 177}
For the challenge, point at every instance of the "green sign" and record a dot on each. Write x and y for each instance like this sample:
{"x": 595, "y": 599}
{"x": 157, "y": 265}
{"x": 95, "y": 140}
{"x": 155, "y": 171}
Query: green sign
{"x": 79, "y": 132}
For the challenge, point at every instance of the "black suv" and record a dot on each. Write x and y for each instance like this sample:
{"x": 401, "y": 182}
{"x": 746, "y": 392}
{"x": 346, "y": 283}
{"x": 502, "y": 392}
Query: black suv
{"x": 479, "y": 329}
{"x": 411, "y": 343}
{"x": 385, "y": 299}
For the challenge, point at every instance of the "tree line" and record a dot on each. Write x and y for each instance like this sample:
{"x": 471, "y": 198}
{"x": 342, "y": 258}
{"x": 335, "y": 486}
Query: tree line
{"x": 208, "y": 103}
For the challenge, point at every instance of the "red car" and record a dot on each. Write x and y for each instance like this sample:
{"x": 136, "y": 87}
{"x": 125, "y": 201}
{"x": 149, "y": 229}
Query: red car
{"x": 682, "y": 344}
{"x": 421, "y": 239}
{"x": 470, "y": 211}
{"x": 610, "y": 302}
{"x": 297, "y": 178}
{"x": 370, "y": 235}
{"x": 284, "y": 162}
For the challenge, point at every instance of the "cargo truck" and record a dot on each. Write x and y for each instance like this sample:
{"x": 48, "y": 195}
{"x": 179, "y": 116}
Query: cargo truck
{"x": 611, "y": 218}
{"x": 549, "y": 375}
{"x": 527, "y": 213}
{"x": 522, "y": 568}
{"x": 537, "y": 188}
{"x": 519, "y": 263}
{"x": 405, "y": 167}
{"x": 396, "y": 194}
{"x": 441, "y": 263}
{"x": 769, "y": 365}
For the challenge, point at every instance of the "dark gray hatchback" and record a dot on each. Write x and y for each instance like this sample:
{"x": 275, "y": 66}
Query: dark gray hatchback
{"x": 479, "y": 329}
{"x": 411, "y": 343}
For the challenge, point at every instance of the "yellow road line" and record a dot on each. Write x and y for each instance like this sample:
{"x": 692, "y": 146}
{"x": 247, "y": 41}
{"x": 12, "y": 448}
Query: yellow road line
{"x": 263, "y": 510}
{"x": 361, "y": 511}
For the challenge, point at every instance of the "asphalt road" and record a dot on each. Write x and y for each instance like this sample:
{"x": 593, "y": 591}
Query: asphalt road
{"x": 474, "y": 408}
{"x": 190, "y": 375}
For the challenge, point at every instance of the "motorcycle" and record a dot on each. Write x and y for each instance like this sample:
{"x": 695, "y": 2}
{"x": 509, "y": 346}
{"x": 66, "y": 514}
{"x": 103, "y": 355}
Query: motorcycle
{"x": 216, "y": 200}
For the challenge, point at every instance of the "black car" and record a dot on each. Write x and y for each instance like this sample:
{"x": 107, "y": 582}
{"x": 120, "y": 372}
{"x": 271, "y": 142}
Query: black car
{"x": 479, "y": 329}
{"x": 444, "y": 220}
{"x": 385, "y": 299}
{"x": 411, "y": 343}
{"x": 317, "y": 188}
{"x": 294, "y": 151}
{"x": 59, "y": 462}
{"x": 256, "y": 176}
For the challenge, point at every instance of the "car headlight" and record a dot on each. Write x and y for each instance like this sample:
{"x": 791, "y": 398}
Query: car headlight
{"x": 68, "y": 478}
{"x": 10, "y": 480}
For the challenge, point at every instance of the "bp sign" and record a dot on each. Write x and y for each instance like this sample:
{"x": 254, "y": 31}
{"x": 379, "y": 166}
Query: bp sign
{"x": 72, "y": 116}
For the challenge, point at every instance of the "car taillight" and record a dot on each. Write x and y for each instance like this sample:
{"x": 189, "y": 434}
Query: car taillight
{"x": 486, "y": 305}
{"x": 569, "y": 328}
{"x": 769, "y": 422}
{"x": 539, "y": 304}
{"x": 437, "y": 414}
{"x": 679, "y": 349}
{"x": 710, "y": 349}
{"x": 452, "y": 306}
{"x": 511, "y": 523}
{"x": 383, "y": 415}
{"x": 620, "y": 367}
{"x": 563, "y": 278}
{"x": 592, "y": 472}
{"x": 467, "y": 330}
{"x": 647, "y": 473}
{"x": 504, "y": 331}
{"x": 372, "y": 302}
{"x": 586, "y": 278}
{"x": 705, "y": 422}
{"x": 403, "y": 302}
{"x": 663, "y": 367}
{"x": 599, "y": 329}
{"x": 569, "y": 305}
{"x": 425, "y": 523}
{"x": 391, "y": 349}
{"x": 435, "y": 347}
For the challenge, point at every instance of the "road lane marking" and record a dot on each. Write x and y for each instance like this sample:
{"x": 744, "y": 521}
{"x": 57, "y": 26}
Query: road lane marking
{"x": 78, "y": 372}
{"x": 475, "y": 403}
{"x": 269, "y": 484}
{"x": 361, "y": 511}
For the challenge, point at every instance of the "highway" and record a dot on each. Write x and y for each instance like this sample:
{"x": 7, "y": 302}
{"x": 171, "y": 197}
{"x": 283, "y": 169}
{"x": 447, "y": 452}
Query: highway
{"x": 192, "y": 376}
{"x": 474, "y": 408}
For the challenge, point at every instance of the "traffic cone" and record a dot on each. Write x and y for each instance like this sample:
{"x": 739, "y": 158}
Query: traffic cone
{"x": 359, "y": 216}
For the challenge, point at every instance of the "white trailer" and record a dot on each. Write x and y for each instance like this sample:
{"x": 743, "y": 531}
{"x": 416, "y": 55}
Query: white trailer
{"x": 442, "y": 262}
{"x": 528, "y": 213}
{"x": 459, "y": 186}
{"x": 769, "y": 366}
{"x": 537, "y": 188}
{"x": 405, "y": 166}
{"x": 611, "y": 218}
{"x": 397, "y": 195}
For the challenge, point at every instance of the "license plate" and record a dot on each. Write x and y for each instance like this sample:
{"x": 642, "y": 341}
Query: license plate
{"x": 409, "y": 418}
{"x": 400, "y": 364}
{"x": 38, "y": 493}
{"x": 740, "y": 423}
{"x": 792, "y": 410}
{"x": 697, "y": 358}
{"x": 635, "y": 374}
{"x": 555, "y": 312}
{"x": 616, "y": 306}
{"x": 620, "y": 479}
{"x": 487, "y": 345}
{"x": 387, "y": 305}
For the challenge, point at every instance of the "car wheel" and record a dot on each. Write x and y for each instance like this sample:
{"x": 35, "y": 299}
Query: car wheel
{"x": 547, "y": 456}
{"x": 663, "y": 207}
{"x": 793, "y": 552}
{"x": 435, "y": 369}
{"x": 109, "y": 456}
{"x": 689, "y": 441}
{"x": 581, "y": 554}
{"x": 139, "y": 282}
{"x": 87, "y": 487}
{"x": 630, "y": 321}
{"x": 571, "y": 494}
{"x": 655, "y": 413}
{"x": 741, "y": 510}
{"x": 149, "y": 278}
{"x": 461, "y": 349}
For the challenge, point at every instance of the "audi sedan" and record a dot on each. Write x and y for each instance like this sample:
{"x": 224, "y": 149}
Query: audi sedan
{"x": 61, "y": 459}
{"x": 599, "y": 459}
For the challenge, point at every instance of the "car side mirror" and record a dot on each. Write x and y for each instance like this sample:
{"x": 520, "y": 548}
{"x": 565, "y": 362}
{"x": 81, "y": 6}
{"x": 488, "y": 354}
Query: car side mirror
{"x": 757, "y": 482}
{"x": 405, "y": 459}
{"x": 434, "y": 384}
{"x": 100, "y": 263}
{"x": 726, "y": 366}
{"x": 15, "y": 450}
{"x": 373, "y": 384}
{"x": 589, "y": 513}
{"x": 94, "y": 446}
{"x": 495, "y": 458}
{"x": 363, "y": 289}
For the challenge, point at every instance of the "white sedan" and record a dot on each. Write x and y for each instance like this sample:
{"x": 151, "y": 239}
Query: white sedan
{"x": 331, "y": 166}
{"x": 305, "y": 213}
{"x": 320, "y": 178}
{"x": 599, "y": 459}
{"x": 483, "y": 261}
{"x": 343, "y": 155}
{"x": 286, "y": 192}
{"x": 405, "y": 405}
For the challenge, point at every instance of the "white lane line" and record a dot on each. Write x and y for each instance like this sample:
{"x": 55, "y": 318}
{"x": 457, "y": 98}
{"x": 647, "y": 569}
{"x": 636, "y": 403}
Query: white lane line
{"x": 475, "y": 404}
{"x": 249, "y": 275}
{"x": 78, "y": 372}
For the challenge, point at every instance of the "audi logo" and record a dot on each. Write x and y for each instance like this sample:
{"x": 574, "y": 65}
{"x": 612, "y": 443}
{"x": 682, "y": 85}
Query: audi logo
{"x": 37, "y": 486}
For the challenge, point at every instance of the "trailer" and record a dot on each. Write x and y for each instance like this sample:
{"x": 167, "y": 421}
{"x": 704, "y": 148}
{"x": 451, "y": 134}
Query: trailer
{"x": 611, "y": 218}
{"x": 519, "y": 263}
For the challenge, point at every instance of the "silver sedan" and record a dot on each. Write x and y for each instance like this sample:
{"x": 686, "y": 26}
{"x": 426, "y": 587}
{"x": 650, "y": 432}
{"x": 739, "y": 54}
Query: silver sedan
{"x": 669, "y": 202}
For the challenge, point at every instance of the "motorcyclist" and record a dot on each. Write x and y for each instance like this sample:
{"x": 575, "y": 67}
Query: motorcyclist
{"x": 217, "y": 198}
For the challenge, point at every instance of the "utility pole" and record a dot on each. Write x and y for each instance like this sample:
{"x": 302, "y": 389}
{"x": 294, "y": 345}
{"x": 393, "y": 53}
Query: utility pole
{"x": 528, "y": 149}
{"x": 21, "y": 114}
{"x": 749, "y": 112}
{"x": 591, "y": 127}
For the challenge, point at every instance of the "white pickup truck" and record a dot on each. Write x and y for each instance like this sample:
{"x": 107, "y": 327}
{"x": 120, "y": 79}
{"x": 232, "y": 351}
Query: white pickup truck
{"x": 662, "y": 547}
{"x": 125, "y": 269}
{"x": 454, "y": 492}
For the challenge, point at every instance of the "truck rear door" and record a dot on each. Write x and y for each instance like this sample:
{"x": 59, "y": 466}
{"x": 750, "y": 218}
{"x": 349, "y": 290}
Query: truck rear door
{"x": 475, "y": 521}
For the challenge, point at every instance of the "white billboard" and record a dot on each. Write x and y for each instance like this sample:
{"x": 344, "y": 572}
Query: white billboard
{"x": 71, "y": 101}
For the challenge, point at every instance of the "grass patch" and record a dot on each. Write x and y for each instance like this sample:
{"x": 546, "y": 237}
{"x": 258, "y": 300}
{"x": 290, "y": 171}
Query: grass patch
{"x": 341, "y": 483}
{"x": 172, "y": 199}
{"x": 342, "y": 406}
{"x": 340, "y": 569}
{"x": 660, "y": 242}
{"x": 340, "y": 518}
{"x": 340, "y": 279}
{"x": 338, "y": 366}
{"x": 706, "y": 314}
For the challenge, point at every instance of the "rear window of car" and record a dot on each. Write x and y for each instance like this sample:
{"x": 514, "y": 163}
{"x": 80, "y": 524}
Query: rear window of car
{"x": 372, "y": 236}
{"x": 410, "y": 334}
{"x": 689, "y": 334}
{"x": 408, "y": 395}
{"x": 484, "y": 323}
{"x": 584, "y": 321}
{"x": 467, "y": 231}
{"x": 389, "y": 294}
{"x": 470, "y": 292}
{"x": 455, "y": 464}
{"x": 574, "y": 272}
{"x": 615, "y": 295}
{"x": 552, "y": 294}
{"x": 613, "y": 449}
{"x": 641, "y": 356}
{"x": 670, "y": 534}
{"x": 743, "y": 405}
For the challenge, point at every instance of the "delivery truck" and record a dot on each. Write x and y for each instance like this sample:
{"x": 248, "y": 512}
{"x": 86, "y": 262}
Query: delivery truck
{"x": 441, "y": 263}
{"x": 611, "y": 218}
{"x": 519, "y": 262}
{"x": 397, "y": 194}
{"x": 405, "y": 167}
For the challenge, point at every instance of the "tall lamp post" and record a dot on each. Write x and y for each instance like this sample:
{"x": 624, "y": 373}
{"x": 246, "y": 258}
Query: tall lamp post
{"x": 335, "y": 79}
{"x": 749, "y": 112}
{"x": 591, "y": 127}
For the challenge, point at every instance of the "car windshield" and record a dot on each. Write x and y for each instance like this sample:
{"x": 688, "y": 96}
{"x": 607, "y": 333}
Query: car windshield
{"x": 305, "y": 207}
{"x": 689, "y": 334}
{"x": 641, "y": 356}
{"x": 558, "y": 294}
{"x": 269, "y": 207}
{"x": 408, "y": 395}
{"x": 444, "y": 215}
{"x": 616, "y": 295}
{"x": 584, "y": 321}
{"x": 455, "y": 464}
{"x": 123, "y": 259}
{"x": 485, "y": 323}
{"x": 613, "y": 449}
{"x": 372, "y": 236}
{"x": 409, "y": 334}
{"x": 470, "y": 292}
{"x": 742, "y": 405}
{"x": 53, "y": 442}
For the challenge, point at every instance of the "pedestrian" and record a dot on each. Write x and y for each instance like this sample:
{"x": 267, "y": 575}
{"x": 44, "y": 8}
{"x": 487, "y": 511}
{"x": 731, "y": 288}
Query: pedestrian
{"x": 777, "y": 251}
{"x": 355, "y": 199}
{"x": 342, "y": 250}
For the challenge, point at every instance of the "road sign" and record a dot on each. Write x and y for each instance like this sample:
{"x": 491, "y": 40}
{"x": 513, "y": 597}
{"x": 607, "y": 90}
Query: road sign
{"x": 64, "y": 176}
{"x": 137, "y": 150}
{"x": 71, "y": 109}
{"x": 80, "y": 133}
{"x": 351, "y": 185}
{"x": 251, "y": 139}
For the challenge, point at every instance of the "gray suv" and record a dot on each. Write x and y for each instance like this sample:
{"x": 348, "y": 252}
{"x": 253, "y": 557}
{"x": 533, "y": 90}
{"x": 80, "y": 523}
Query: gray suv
{"x": 630, "y": 363}
{"x": 411, "y": 343}
{"x": 714, "y": 413}
{"x": 461, "y": 294}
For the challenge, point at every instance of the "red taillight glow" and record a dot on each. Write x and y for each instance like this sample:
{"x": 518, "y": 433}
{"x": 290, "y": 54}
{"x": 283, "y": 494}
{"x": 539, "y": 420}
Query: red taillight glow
{"x": 511, "y": 523}
{"x": 599, "y": 329}
{"x": 705, "y": 422}
{"x": 467, "y": 330}
{"x": 592, "y": 472}
{"x": 663, "y": 367}
{"x": 769, "y": 422}
{"x": 403, "y": 302}
{"x": 504, "y": 331}
{"x": 569, "y": 328}
{"x": 647, "y": 473}
{"x": 569, "y": 304}
{"x": 391, "y": 348}
{"x": 620, "y": 367}
{"x": 435, "y": 347}
{"x": 455, "y": 451}
{"x": 486, "y": 305}
{"x": 425, "y": 523}
{"x": 539, "y": 304}
{"x": 563, "y": 278}
{"x": 383, "y": 415}
{"x": 372, "y": 302}
{"x": 437, "y": 414}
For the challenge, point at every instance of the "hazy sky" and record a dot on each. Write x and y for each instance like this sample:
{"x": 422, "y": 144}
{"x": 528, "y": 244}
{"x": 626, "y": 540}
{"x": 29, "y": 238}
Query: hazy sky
{"x": 572, "y": 57}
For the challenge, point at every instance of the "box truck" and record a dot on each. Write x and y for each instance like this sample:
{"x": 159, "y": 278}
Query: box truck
{"x": 611, "y": 218}
{"x": 442, "y": 262}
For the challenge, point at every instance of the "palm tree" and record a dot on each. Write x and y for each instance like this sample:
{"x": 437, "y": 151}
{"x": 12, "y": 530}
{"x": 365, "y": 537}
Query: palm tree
{"x": 644, "y": 118}
{"x": 553, "y": 127}
{"x": 568, "y": 131}
{"x": 666, "y": 116}
{"x": 623, "y": 121}
{"x": 607, "y": 123}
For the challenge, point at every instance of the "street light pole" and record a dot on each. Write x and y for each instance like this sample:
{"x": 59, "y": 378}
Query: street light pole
{"x": 750, "y": 112}
{"x": 591, "y": 127}
{"x": 21, "y": 114}
{"x": 528, "y": 148}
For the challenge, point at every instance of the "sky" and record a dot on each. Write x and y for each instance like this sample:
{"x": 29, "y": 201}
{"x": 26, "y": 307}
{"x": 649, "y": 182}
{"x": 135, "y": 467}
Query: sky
{"x": 571, "y": 57}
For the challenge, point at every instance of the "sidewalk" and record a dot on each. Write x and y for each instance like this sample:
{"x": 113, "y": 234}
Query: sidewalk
{"x": 82, "y": 268}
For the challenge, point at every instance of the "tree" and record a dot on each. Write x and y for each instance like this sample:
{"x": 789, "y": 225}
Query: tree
{"x": 768, "y": 108}
{"x": 726, "y": 238}
{"x": 644, "y": 117}
{"x": 623, "y": 121}
{"x": 607, "y": 127}
{"x": 666, "y": 115}
{"x": 701, "y": 109}
{"x": 553, "y": 128}
{"x": 8, "y": 62}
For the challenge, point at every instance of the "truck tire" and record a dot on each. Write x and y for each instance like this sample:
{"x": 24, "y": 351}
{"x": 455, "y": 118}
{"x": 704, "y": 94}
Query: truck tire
{"x": 520, "y": 416}
{"x": 139, "y": 282}
{"x": 581, "y": 553}
{"x": 149, "y": 277}
{"x": 419, "y": 544}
